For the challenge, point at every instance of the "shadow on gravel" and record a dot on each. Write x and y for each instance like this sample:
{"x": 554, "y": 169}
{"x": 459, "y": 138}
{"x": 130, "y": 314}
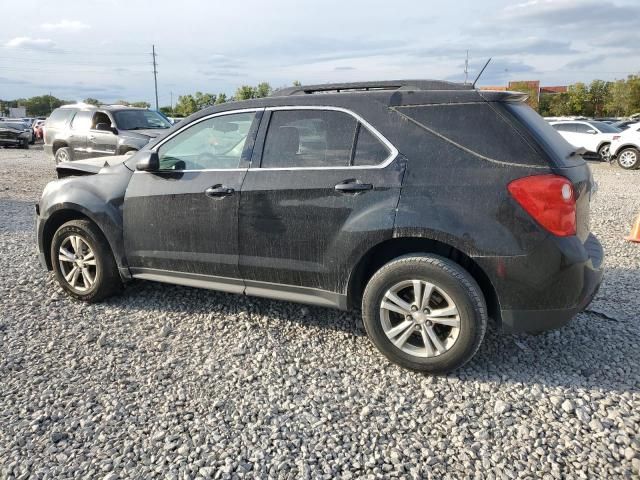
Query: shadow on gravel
{"x": 598, "y": 350}
{"x": 16, "y": 216}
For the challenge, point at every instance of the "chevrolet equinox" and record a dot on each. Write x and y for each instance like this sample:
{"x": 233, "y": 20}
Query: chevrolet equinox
{"x": 431, "y": 206}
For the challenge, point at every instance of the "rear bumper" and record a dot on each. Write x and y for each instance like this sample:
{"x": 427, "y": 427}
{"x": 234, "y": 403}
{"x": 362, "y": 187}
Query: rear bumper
{"x": 543, "y": 293}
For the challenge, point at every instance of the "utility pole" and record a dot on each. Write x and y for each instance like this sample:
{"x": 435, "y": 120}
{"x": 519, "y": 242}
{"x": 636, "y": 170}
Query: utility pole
{"x": 171, "y": 93}
{"x": 155, "y": 72}
{"x": 466, "y": 68}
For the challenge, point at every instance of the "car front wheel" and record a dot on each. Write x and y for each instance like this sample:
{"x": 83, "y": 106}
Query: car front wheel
{"x": 425, "y": 313}
{"x": 604, "y": 153}
{"x": 63, "y": 154}
{"x": 629, "y": 158}
{"x": 83, "y": 263}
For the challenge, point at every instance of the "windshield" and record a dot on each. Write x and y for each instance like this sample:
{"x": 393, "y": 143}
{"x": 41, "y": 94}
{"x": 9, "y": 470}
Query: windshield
{"x": 139, "y": 120}
{"x": 605, "y": 127}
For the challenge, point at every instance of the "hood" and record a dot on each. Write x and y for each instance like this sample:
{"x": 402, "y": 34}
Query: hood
{"x": 90, "y": 166}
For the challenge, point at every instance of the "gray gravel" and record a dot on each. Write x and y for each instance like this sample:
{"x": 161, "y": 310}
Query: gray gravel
{"x": 173, "y": 382}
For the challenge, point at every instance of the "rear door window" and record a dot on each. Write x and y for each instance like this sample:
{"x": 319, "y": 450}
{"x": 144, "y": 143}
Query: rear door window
{"x": 82, "y": 121}
{"x": 309, "y": 138}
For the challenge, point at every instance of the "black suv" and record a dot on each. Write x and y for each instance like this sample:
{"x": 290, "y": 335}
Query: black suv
{"x": 429, "y": 205}
{"x": 76, "y": 132}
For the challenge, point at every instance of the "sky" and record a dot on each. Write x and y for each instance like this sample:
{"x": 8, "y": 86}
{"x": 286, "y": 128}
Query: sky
{"x": 76, "y": 49}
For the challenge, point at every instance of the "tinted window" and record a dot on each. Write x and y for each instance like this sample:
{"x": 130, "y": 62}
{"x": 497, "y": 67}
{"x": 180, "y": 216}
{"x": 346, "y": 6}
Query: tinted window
{"x": 216, "y": 143}
{"x": 139, "y": 119}
{"x": 565, "y": 127}
{"x": 369, "y": 150}
{"x": 309, "y": 138}
{"x": 583, "y": 128}
{"x": 476, "y": 127}
{"x": 59, "y": 117}
{"x": 605, "y": 127}
{"x": 82, "y": 120}
{"x": 14, "y": 126}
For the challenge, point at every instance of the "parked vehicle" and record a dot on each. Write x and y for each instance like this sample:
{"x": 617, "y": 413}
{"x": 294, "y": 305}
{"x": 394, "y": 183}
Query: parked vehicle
{"x": 38, "y": 129}
{"x": 13, "y": 135}
{"x": 625, "y": 147}
{"x": 76, "y": 132}
{"x": 429, "y": 205}
{"x": 594, "y": 137}
{"x": 24, "y": 126}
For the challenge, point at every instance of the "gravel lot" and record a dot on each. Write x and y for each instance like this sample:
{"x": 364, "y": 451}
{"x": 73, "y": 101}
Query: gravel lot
{"x": 173, "y": 382}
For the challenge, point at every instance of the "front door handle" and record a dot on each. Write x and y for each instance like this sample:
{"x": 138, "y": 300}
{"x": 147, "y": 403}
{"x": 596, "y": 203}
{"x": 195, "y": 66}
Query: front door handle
{"x": 218, "y": 191}
{"x": 352, "y": 185}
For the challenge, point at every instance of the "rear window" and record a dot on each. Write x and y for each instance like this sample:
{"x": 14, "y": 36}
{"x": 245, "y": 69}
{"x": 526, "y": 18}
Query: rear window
{"x": 549, "y": 139}
{"x": 59, "y": 117}
{"x": 476, "y": 127}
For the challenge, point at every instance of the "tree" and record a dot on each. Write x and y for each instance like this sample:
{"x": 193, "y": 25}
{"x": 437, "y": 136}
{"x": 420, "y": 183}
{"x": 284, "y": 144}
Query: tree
{"x": 262, "y": 90}
{"x": 296, "y": 83}
{"x": 92, "y": 101}
{"x": 578, "y": 99}
{"x": 204, "y": 100}
{"x": 41, "y": 106}
{"x": 598, "y": 95}
{"x": 221, "y": 98}
{"x": 140, "y": 104}
{"x": 167, "y": 110}
{"x": 186, "y": 105}
{"x": 530, "y": 89}
{"x": 245, "y": 92}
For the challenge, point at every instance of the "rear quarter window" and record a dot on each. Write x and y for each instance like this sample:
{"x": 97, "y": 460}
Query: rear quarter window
{"x": 477, "y": 127}
{"x": 59, "y": 117}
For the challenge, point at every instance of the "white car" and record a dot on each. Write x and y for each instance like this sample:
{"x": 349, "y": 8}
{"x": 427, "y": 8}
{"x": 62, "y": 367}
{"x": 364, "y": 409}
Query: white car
{"x": 594, "y": 137}
{"x": 625, "y": 147}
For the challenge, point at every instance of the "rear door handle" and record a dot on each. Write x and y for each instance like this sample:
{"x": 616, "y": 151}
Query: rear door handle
{"x": 352, "y": 185}
{"x": 218, "y": 191}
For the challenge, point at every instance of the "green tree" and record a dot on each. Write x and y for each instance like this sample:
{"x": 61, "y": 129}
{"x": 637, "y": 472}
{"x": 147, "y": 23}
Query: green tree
{"x": 245, "y": 92}
{"x": 40, "y": 106}
{"x": 140, "y": 104}
{"x": 92, "y": 101}
{"x": 529, "y": 89}
{"x": 204, "y": 100}
{"x": 297, "y": 83}
{"x": 598, "y": 96}
{"x": 167, "y": 110}
{"x": 262, "y": 90}
{"x": 186, "y": 105}
{"x": 221, "y": 98}
{"x": 578, "y": 98}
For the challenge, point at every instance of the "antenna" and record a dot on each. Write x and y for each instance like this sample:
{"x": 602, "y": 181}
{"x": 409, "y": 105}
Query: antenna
{"x": 466, "y": 68}
{"x": 481, "y": 72}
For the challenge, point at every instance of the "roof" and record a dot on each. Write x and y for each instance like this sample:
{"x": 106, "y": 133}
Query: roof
{"x": 88, "y": 106}
{"x": 421, "y": 85}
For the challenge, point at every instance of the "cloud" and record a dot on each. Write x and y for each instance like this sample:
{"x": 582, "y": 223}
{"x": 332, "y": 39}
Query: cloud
{"x": 581, "y": 63}
{"x": 574, "y": 14}
{"x": 28, "y": 43}
{"x": 342, "y": 69}
{"x": 499, "y": 71}
{"x": 533, "y": 46}
{"x": 66, "y": 25}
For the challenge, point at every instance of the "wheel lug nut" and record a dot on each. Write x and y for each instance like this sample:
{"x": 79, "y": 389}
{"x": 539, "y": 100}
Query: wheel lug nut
{"x": 414, "y": 308}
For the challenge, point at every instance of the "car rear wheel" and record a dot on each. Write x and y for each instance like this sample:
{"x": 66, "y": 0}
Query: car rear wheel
{"x": 83, "y": 263}
{"x": 603, "y": 152}
{"x": 63, "y": 154}
{"x": 25, "y": 145}
{"x": 425, "y": 313}
{"x": 629, "y": 158}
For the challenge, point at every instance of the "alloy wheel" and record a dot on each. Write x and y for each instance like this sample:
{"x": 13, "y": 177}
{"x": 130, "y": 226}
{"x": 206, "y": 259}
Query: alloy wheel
{"x": 77, "y": 263}
{"x": 420, "y": 318}
{"x": 628, "y": 158}
{"x": 62, "y": 156}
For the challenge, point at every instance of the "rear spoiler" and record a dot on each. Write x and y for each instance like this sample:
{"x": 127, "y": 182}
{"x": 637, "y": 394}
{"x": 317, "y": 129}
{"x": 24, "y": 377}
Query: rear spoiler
{"x": 502, "y": 96}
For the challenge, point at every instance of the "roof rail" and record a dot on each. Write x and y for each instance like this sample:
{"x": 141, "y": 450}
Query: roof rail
{"x": 369, "y": 86}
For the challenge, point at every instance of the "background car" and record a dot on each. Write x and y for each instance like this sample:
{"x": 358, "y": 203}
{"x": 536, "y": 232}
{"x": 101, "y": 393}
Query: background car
{"x": 24, "y": 126}
{"x": 625, "y": 147}
{"x": 38, "y": 129}
{"x": 12, "y": 134}
{"x": 76, "y": 132}
{"x": 624, "y": 124}
{"x": 594, "y": 137}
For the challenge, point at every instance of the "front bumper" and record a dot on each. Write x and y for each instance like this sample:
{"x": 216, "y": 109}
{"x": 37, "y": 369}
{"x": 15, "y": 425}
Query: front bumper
{"x": 546, "y": 290}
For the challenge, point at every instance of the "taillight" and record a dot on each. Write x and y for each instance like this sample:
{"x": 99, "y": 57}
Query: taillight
{"x": 550, "y": 200}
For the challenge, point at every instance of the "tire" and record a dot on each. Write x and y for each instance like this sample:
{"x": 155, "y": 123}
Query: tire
{"x": 453, "y": 287}
{"x": 629, "y": 158}
{"x": 63, "y": 154}
{"x": 103, "y": 268}
{"x": 25, "y": 145}
{"x": 603, "y": 152}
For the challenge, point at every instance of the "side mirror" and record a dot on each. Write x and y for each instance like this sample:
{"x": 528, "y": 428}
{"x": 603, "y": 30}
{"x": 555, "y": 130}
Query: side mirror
{"x": 592, "y": 132}
{"x": 106, "y": 127}
{"x": 148, "y": 161}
